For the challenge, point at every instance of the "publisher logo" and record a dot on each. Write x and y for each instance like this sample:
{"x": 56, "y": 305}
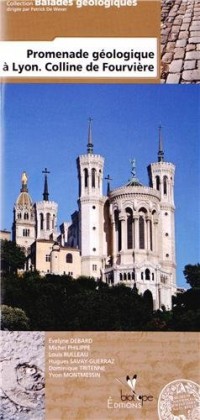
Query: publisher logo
{"x": 180, "y": 400}
{"x": 128, "y": 398}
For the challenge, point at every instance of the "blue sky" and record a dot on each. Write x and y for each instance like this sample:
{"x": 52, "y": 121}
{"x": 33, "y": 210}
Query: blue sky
{"x": 45, "y": 125}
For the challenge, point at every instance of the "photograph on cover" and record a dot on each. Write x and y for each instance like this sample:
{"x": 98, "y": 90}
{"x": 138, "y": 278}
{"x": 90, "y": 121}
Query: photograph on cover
{"x": 180, "y": 41}
{"x": 99, "y": 185}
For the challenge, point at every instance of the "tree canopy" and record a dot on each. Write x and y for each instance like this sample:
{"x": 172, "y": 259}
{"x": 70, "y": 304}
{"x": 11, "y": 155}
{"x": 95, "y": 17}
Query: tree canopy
{"x": 12, "y": 257}
{"x": 192, "y": 275}
{"x": 13, "y": 319}
{"x": 61, "y": 303}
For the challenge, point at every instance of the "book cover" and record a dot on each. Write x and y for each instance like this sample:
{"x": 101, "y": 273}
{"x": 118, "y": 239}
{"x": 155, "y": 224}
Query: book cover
{"x": 100, "y": 206}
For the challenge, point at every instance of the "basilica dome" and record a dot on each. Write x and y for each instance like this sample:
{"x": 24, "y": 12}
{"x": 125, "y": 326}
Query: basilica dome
{"x": 24, "y": 200}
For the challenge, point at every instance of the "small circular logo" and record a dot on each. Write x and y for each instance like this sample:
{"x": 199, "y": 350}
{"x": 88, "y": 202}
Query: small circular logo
{"x": 179, "y": 400}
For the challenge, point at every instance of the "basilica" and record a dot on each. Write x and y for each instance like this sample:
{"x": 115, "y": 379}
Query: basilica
{"x": 124, "y": 237}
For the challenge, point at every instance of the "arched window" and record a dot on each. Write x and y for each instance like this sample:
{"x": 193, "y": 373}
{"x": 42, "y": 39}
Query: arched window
{"x": 143, "y": 210}
{"x": 148, "y": 300}
{"x": 147, "y": 274}
{"x": 26, "y": 216}
{"x": 118, "y": 230}
{"x": 133, "y": 275}
{"x": 120, "y": 277}
{"x": 152, "y": 276}
{"x": 53, "y": 221}
{"x": 124, "y": 276}
{"x": 69, "y": 258}
{"x": 165, "y": 185}
{"x": 151, "y": 236}
{"x": 48, "y": 221}
{"x": 93, "y": 177}
{"x": 99, "y": 178}
{"x": 41, "y": 221}
{"x": 86, "y": 177}
{"x": 129, "y": 228}
{"x": 142, "y": 276}
{"x": 129, "y": 276}
{"x": 19, "y": 216}
{"x": 157, "y": 182}
{"x": 141, "y": 233}
{"x": 26, "y": 232}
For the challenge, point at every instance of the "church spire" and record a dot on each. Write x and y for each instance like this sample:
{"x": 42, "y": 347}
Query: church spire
{"x": 108, "y": 183}
{"x": 90, "y": 143}
{"x": 24, "y": 180}
{"x": 45, "y": 193}
{"x": 160, "y": 146}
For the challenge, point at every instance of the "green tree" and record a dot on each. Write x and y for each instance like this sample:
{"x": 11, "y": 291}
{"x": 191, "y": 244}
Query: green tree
{"x": 186, "y": 306}
{"x": 86, "y": 282}
{"x": 13, "y": 319}
{"x": 185, "y": 319}
{"x": 12, "y": 257}
{"x": 192, "y": 275}
{"x": 148, "y": 301}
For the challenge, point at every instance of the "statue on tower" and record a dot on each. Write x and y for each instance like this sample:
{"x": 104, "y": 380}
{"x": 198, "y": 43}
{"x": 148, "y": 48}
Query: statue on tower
{"x": 24, "y": 178}
{"x": 133, "y": 167}
{"x": 134, "y": 181}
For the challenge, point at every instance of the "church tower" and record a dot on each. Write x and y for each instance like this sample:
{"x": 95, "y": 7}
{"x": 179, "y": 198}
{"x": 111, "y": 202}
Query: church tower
{"x": 23, "y": 228}
{"x": 46, "y": 214}
{"x": 91, "y": 209}
{"x": 161, "y": 178}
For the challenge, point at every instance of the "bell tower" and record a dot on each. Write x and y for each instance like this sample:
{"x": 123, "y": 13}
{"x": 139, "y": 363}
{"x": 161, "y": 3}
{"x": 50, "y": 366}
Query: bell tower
{"x": 46, "y": 212}
{"x": 23, "y": 228}
{"x": 91, "y": 208}
{"x": 161, "y": 178}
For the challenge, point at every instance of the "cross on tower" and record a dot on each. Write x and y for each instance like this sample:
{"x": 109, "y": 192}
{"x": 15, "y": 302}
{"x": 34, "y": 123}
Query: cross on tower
{"x": 46, "y": 171}
{"x": 160, "y": 146}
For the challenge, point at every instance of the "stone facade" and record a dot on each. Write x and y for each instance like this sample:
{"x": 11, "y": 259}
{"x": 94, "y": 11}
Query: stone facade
{"x": 91, "y": 207}
{"x": 143, "y": 243}
{"x": 24, "y": 218}
{"x": 5, "y": 235}
{"x": 48, "y": 256}
{"x": 46, "y": 219}
{"x": 124, "y": 237}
